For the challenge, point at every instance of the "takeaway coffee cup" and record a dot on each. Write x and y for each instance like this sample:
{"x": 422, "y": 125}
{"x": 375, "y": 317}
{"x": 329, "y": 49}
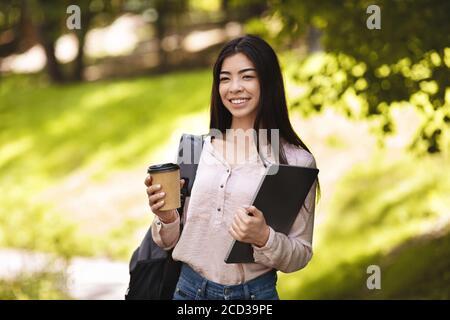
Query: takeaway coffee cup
{"x": 168, "y": 176}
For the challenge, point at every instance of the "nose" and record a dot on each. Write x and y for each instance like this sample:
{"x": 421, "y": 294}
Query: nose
{"x": 235, "y": 86}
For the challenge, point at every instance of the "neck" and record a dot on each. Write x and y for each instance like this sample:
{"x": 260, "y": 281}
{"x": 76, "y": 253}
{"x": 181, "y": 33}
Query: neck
{"x": 242, "y": 123}
{"x": 239, "y": 130}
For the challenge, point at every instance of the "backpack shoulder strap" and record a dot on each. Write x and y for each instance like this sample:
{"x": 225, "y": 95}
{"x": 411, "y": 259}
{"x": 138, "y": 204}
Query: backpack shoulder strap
{"x": 189, "y": 151}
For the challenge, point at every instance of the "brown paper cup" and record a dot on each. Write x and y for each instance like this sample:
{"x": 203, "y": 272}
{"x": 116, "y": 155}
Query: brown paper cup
{"x": 168, "y": 176}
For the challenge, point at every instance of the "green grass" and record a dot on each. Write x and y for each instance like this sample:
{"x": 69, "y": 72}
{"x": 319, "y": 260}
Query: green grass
{"x": 48, "y": 133}
{"x": 35, "y": 286}
{"x": 51, "y": 131}
{"x": 383, "y": 213}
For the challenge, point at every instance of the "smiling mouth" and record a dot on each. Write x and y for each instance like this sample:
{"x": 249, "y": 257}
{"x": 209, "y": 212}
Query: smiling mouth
{"x": 239, "y": 101}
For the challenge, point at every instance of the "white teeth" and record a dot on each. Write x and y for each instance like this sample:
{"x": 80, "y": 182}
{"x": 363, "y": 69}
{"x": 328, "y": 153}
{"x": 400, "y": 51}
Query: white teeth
{"x": 238, "y": 101}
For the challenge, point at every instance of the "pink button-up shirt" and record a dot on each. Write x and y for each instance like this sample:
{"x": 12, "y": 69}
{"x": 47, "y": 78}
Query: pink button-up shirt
{"x": 219, "y": 189}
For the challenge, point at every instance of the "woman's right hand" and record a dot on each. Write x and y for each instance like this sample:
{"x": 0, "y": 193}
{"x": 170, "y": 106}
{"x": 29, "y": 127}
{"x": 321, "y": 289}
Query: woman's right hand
{"x": 156, "y": 201}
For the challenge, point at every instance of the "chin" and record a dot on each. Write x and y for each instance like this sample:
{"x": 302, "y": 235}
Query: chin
{"x": 240, "y": 113}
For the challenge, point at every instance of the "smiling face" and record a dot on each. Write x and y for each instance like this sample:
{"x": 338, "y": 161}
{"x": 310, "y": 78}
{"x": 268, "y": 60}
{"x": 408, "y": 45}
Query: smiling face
{"x": 239, "y": 87}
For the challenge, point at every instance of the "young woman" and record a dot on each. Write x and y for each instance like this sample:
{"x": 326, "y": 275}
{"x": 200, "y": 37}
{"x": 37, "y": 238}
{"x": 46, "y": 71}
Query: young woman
{"x": 247, "y": 94}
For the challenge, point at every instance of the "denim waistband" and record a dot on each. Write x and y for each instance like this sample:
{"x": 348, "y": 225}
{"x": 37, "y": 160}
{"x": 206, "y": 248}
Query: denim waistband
{"x": 245, "y": 289}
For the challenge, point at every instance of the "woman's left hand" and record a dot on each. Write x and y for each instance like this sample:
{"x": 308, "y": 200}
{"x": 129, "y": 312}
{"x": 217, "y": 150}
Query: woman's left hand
{"x": 250, "y": 228}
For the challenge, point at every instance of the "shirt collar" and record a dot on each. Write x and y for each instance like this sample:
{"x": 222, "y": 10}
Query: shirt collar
{"x": 210, "y": 148}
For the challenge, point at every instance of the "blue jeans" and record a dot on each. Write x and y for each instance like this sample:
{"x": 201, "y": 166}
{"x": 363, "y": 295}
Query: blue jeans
{"x": 192, "y": 286}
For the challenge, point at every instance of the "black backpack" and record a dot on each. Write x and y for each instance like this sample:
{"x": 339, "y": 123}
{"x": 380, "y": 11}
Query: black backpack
{"x": 153, "y": 272}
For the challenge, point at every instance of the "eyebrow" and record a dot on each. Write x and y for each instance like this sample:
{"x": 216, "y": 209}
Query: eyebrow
{"x": 240, "y": 71}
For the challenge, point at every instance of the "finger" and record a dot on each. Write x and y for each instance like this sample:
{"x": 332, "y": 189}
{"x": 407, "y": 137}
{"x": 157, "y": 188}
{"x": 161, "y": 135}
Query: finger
{"x": 182, "y": 183}
{"x": 153, "y": 188}
{"x": 238, "y": 218}
{"x": 236, "y": 232}
{"x": 241, "y": 209}
{"x": 255, "y": 211}
{"x": 156, "y": 197}
{"x": 157, "y": 206}
{"x": 148, "y": 180}
{"x": 243, "y": 217}
{"x": 239, "y": 227}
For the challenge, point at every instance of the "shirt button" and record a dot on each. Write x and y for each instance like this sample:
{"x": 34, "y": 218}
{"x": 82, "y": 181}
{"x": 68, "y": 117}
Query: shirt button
{"x": 228, "y": 170}
{"x": 221, "y": 185}
{"x": 218, "y": 209}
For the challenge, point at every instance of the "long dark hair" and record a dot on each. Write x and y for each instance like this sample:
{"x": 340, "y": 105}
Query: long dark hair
{"x": 272, "y": 110}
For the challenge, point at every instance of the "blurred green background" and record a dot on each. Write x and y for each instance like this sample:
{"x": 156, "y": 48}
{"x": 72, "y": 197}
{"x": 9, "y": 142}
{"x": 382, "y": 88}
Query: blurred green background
{"x": 83, "y": 112}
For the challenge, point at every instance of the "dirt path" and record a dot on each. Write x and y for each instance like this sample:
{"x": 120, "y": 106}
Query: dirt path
{"x": 88, "y": 279}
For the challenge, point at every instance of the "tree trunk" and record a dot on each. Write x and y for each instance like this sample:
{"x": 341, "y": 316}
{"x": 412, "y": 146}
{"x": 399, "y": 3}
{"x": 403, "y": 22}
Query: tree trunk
{"x": 160, "y": 25}
{"x": 13, "y": 35}
{"x": 313, "y": 39}
{"x": 47, "y": 36}
{"x": 225, "y": 8}
{"x": 78, "y": 68}
{"x": 53, "y": 67}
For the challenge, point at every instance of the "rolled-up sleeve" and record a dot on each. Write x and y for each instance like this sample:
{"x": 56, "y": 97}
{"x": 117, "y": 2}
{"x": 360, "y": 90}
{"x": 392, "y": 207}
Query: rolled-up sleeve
{"x": 166, "y": 235}
{"x": 292, "y": 252}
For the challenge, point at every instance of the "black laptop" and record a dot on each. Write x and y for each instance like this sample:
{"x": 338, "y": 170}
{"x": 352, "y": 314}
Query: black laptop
{"x": 279, "y": 196}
